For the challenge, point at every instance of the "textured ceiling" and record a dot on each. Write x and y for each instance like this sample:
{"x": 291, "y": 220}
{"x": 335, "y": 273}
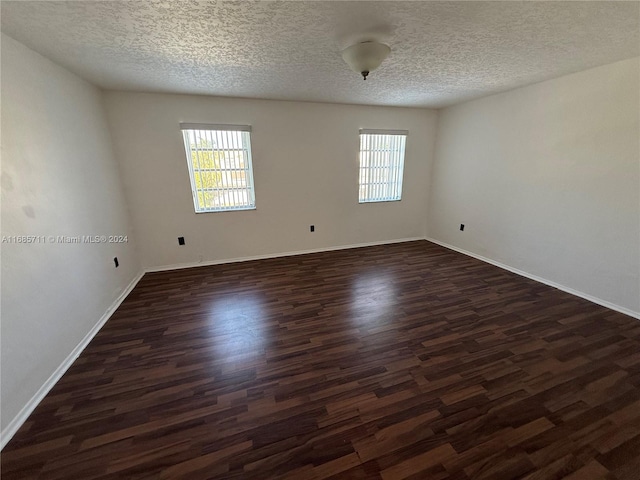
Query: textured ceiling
{"x": 442, "y": 52}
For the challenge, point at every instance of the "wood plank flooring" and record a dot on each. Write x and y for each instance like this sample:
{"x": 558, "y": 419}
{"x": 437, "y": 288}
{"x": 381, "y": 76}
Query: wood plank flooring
{"x": 404, "y": 361}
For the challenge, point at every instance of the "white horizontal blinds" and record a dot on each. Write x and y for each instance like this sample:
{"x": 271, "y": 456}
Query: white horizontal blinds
{"x": 381, "y": 165}
{"x": 219, "y": 160}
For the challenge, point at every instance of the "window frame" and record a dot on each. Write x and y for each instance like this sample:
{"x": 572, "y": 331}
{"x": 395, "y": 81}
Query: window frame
{"x": 250, "y": 187}
{"x": 397, "y": 184}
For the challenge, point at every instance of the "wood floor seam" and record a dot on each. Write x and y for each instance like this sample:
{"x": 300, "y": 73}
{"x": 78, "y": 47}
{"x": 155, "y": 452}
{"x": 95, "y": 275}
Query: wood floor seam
{"x": 388, "y": 362}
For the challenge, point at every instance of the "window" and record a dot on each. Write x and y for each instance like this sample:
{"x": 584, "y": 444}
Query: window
{"x": 219, "y": 161}
{"x": 381, "y": 165}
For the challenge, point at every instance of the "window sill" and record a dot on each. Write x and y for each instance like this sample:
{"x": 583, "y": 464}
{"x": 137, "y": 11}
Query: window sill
{"x": 244, "y": 209}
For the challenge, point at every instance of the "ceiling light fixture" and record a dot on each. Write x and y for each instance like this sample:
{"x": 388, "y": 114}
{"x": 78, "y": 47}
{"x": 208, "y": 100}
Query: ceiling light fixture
{"x": 365, "y": 57}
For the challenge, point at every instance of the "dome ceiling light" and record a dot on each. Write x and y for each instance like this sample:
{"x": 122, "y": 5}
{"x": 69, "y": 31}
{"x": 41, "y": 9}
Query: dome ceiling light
{"x": 365, "y": 57}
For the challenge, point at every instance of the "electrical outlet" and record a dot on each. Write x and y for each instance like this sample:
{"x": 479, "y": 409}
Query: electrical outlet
{"x": 462, "y": 227}
{"x": 115, "y": 261}
{"x": 312, "y": 228}
{"x": 180, "y": 240}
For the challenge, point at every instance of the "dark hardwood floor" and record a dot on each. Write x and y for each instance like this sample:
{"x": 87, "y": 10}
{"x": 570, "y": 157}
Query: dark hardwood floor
{"x": 393, "y": 362}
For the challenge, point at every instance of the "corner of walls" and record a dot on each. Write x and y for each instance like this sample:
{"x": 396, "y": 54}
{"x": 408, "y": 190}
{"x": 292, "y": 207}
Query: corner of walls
{"x": 432, "y": 173}
{"x": 121, "y": 178}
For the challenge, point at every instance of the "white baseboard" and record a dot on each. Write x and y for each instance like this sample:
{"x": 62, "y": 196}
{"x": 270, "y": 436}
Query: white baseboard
{"x": 13, "y": 426}
{"x": 522, "y": 273}
{"x": 31, "y": 405}
{"x": 24, "y": 413}
{"x": 178, "y": 266}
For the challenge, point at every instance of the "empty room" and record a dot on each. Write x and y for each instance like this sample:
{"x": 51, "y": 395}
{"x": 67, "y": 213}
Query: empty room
{"x": 320, "y": 239}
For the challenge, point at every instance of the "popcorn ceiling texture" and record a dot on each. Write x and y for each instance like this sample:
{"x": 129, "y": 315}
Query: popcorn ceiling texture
{"x": 442, "y": 52}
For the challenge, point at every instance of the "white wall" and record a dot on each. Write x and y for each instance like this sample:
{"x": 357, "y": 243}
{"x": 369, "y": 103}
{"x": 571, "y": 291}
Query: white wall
{"x": 305, "y": 159}
{"x": 546, "y": 179}
{"x": 59, "y": 177}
